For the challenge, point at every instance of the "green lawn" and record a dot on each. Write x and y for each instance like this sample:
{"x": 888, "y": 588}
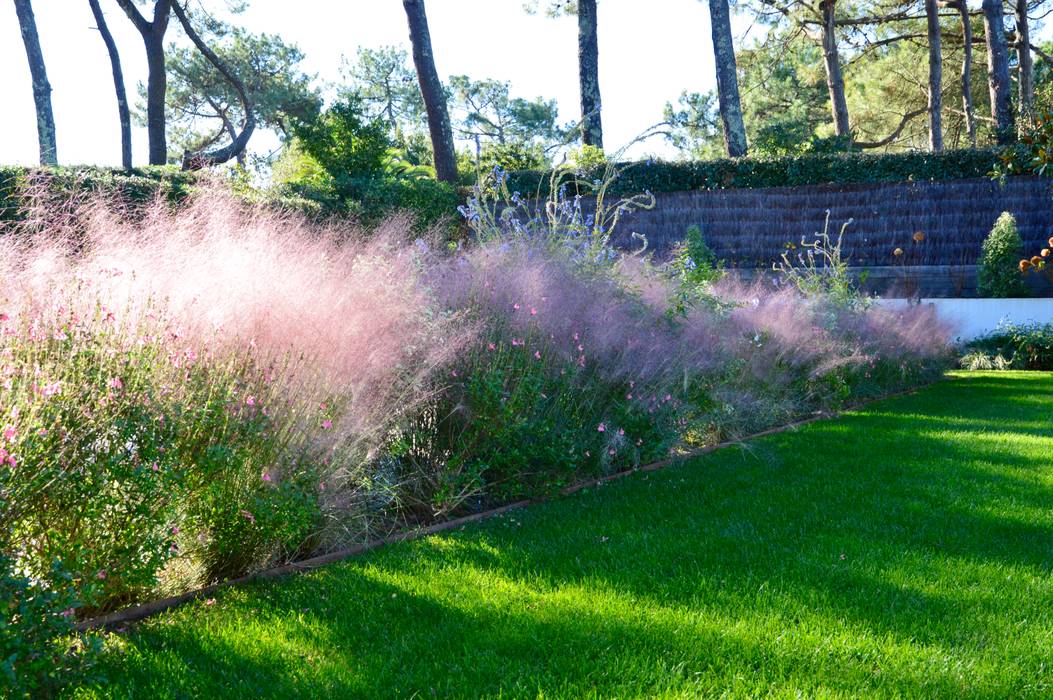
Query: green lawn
{"x": 904, "y": 550}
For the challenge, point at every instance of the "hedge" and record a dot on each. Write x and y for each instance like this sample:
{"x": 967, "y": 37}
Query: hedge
{"x": 137, "y": 186}
{"x": 141, "y": 185}
{"x": 790, "y": 171}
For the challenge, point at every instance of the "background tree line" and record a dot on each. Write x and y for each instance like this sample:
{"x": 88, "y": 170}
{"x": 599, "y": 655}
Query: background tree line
{"x": 824, "y": 76}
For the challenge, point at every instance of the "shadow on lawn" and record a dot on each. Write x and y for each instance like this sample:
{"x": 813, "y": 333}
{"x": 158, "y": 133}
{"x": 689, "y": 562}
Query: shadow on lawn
{"x": 859, "y": 526}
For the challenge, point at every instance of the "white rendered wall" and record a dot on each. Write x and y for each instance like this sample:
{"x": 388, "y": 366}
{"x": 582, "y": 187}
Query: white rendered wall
{"x": 974, "y": 317}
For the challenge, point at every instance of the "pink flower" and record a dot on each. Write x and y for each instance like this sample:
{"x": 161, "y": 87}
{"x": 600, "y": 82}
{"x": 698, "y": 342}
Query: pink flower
{"x": 4, "y": 317}
{"x": 115, "y": 383}
{"x": 628, "y": 397}
{"x": 621, "y": 432}
{"x": 248, "y": 516}
{"x": 154, "y": 466}
{"x": 101, "y": 575}
{"x": 537, "y": 354}
{"x": 42, "y": 432}
{"x": 327, "y": 424}
{"x": 250, "y": 400}
{"x": 266, "y": 477}
{"x": 210, "y": 601}
{"x": 515, "y": 307}
{"x": 51, "y": 389}
{"x": 453, "y": 373}
{"x": 533, "y": 311}
{"x": 491, "y": 346}
{"x": 602, "y": 427}
{"x": 610, "y": 452}
{"x": 175, "y": 530}
{"x": 9, "y": 433}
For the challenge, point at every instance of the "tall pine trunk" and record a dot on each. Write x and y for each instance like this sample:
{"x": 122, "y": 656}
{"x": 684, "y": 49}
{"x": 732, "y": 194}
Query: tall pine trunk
{"x": 967, "y": 68}
{"x": 156, "y": 87}
{"x": 431, "y": 91}
{"x": 998, "y": 70}
{"x": 1024, "y": 63}
{"x": 727, "y": 79}
{"x": 153, "y": 34}
{"x": 835, "y": 82}
{"x": 932, "y": 17}
{"x": 118, "y": 84}
{"x": 41, "y": 87}
{"x": 589, "y": 74}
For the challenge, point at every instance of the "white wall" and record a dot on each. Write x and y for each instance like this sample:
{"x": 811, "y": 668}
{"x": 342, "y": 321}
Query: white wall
{"x": 974, "y": 317}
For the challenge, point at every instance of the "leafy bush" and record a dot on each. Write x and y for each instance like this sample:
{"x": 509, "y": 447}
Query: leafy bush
{"x": 1024, "y": 346}
{"x": 998, "y": 275}
{"x": 38, "y": 646}
{"x": 347, "y": 164}
{"x": 696, "y": 267}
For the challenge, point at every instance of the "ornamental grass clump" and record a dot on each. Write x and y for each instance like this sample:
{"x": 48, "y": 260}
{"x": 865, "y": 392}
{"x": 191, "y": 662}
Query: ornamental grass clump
{"x": 569, "y": 374}
{"x": 200, "y": 393}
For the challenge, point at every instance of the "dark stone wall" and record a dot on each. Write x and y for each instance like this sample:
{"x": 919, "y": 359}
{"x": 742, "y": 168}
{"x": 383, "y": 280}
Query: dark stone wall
{"x": 751, "y": 227}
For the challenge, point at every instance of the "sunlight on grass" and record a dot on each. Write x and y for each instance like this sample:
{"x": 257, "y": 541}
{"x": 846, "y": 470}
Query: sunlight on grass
{"x": 902, "y": 550}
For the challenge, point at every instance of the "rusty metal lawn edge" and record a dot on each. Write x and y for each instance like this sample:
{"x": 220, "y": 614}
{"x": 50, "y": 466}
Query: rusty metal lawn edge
{"x": 140, "y": 612}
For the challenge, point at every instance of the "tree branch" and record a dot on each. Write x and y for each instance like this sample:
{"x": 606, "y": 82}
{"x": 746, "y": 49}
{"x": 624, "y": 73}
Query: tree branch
{"x": 891, "y": 137}
{"x": 196, "y": 161}
{"x": 1042, "y": 54}
{"x": 135, "y": 16}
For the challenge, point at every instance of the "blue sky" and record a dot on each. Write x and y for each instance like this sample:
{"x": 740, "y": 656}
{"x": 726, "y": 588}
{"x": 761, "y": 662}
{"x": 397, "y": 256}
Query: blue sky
{"x": 649, "y": 52}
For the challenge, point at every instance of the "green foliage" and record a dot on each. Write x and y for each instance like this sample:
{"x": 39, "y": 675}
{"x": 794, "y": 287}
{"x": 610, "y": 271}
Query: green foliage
{"x": 1023, "y": 346}
{"x": 999, "y": 275}
{"x": 508, "y": 156}
{"x": 484, "y": 112}
{"x": 138, "y": 186}
{"x": 204, "y": 109}
{"x": 344, "y": 161}
{"x": 695, "y": 267}
{"x": 345, "y": 143}
{"x": 785, "y": 171}
{"x": 383, "y": 82}
{"x": 39, "y": 650}
{"x": 1033, "y": 154}
{"x": 694, "y": 125}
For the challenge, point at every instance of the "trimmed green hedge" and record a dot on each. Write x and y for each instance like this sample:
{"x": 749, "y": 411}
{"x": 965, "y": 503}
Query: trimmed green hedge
{"x": 141, "y": 185}
{"x": 137, "y": 186}
{"x": 814, "y": 169}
